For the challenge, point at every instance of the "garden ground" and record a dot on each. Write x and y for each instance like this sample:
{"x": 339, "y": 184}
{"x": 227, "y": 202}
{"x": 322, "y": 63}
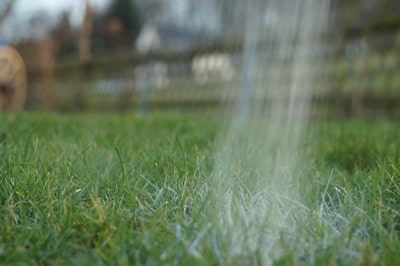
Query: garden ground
{"x": 123, "y": 189}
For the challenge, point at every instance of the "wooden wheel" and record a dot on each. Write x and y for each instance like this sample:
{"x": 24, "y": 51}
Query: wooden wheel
{"x": 13, "y": 81}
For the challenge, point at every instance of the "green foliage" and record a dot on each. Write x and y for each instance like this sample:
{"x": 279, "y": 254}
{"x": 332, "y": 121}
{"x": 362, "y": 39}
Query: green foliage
{"x": 125, "y": 10}
{"x": 122, "y": 189}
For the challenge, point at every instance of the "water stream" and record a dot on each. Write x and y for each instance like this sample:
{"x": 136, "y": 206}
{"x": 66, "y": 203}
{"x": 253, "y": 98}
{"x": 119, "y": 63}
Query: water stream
{"x": 256, "y": 171}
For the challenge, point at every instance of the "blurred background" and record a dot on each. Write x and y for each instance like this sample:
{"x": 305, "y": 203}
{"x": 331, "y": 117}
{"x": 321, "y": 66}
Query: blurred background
{"x": 142, "y": 55}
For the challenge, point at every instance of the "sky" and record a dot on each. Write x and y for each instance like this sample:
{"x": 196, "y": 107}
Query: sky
{"x": 25, "y": 8}
{"x": 45, "y": 12}
{"x": 19, "y": 26}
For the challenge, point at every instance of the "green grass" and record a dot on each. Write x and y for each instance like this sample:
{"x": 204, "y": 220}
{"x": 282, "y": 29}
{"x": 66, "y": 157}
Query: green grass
{"x": 112, "y": 189}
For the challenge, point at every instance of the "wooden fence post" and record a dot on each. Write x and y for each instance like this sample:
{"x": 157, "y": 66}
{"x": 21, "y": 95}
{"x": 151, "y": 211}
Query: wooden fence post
{"x": 85, "y": 56}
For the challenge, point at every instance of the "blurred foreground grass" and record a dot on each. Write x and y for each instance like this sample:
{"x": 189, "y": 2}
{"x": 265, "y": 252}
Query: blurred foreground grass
{"x": 121, "y": 189}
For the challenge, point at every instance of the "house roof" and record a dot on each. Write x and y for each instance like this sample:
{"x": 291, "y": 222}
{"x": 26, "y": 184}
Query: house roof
{"x": 171, "y": 36}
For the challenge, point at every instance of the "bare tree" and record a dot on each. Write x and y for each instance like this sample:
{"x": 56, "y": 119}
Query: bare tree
{"x": 6, "y": 9}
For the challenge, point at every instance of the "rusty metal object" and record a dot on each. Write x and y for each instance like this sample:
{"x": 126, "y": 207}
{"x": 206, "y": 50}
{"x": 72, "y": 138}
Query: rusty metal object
{"x": 13, "y": 80}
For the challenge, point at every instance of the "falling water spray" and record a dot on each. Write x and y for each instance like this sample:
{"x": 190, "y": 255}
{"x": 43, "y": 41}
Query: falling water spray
{"x": 255, "y": 174}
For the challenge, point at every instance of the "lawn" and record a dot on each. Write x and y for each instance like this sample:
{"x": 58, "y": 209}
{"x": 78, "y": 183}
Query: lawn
{"x": 123, "y": 189}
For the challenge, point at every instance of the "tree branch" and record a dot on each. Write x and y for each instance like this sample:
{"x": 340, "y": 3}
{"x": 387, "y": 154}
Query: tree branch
{"x": 7, "y": 10}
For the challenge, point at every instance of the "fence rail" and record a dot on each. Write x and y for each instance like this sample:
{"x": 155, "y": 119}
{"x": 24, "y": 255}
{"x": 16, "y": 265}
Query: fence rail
{"x": 355, "y": 83}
